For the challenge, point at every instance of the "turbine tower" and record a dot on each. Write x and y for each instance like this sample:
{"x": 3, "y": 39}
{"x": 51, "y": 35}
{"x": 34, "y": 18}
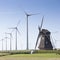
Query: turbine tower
{"x": 2, "y": 44}
{"x": 27, "y": 15}
{"x": 6, "y": 42}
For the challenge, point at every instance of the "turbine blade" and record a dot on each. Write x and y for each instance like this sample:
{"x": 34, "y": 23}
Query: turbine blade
{"x": 25, "y": 12}
{"x": 34, "y": 14}
{"x": 12, "y": 28}
{"x": 7, "y": 38}
{"x": 18, "y": 31}
{"x": 12, "y": 31}
{"x": 30, "y": 14}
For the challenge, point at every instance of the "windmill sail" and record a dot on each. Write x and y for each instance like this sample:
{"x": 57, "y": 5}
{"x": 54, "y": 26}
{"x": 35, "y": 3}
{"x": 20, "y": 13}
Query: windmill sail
{"x": 45, "y": 42}
{"x": 37, "y": 41}
{"x": 39, "y": 32}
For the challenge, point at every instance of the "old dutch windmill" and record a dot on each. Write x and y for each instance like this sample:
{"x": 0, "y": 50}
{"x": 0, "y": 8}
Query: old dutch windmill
{"x": 44, "y": 36}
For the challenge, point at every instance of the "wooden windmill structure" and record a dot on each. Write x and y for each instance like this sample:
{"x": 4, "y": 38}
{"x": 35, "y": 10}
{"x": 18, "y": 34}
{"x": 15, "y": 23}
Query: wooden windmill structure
{"x": 44, "y": 35}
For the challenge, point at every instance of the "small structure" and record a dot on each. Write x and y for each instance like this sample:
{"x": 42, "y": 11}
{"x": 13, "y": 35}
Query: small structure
{"x": 32, "y": 51}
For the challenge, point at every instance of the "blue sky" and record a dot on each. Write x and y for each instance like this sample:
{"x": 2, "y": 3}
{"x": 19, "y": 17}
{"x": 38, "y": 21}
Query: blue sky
{"x": 11, "y": 11}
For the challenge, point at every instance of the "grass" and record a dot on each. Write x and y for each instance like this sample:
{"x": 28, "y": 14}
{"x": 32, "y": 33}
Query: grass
{"x": 48, "y": 55}
{"x": 42, "y": 56}
{"x": 39, "y": 55}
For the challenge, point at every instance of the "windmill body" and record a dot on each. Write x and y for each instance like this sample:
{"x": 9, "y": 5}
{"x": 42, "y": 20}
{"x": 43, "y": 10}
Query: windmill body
{"x": 45, "y": 43}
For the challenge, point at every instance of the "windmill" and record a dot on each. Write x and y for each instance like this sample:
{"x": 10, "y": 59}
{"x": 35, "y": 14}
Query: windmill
{"x": 44, "y": 34}
{"x": 16, "y": 29}
{"x": 27, "y": 15}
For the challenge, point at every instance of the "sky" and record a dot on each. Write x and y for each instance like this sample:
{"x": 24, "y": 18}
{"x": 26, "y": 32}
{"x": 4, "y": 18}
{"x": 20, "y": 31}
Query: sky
{"x": 13, "y": 11}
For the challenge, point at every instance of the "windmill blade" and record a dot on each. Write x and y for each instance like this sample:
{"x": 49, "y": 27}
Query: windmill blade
{"x": 41, "y": 23}
{"x": 37, "y": 40}
{"x": 18, "y": 23}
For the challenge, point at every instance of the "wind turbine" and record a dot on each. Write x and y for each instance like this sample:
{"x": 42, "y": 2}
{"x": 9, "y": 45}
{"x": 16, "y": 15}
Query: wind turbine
{"x": 16, "y": 29}
{"x": 10, "y": 39}
{"x": 6, "y": 42}
{"x": 27, "y": 15}
{"x": 2, "y": 43}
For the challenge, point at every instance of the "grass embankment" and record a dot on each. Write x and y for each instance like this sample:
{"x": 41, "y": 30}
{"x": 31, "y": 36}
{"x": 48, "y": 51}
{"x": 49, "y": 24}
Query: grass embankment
{"x": 25, "y": 55}
{"x": 42, "y": 56}
{"x": 38, "y": 53}
{"x": 29, "y": 51}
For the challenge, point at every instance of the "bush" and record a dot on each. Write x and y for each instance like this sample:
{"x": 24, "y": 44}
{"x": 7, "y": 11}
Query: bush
{"x": 29, "y": 51}
{"x": 19, "y": 52}
{"x": 46, "y": 51}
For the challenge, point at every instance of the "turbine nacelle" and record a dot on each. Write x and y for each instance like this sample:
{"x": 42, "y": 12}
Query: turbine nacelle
{"x": 30, "y": 14}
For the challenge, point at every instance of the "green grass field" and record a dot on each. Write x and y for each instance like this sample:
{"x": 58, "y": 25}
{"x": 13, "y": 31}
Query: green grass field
{"x": 42, "y": 56}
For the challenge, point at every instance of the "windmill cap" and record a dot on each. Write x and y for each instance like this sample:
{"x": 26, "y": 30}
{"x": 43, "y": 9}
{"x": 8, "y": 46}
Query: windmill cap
{"x": 45, "y": 31}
